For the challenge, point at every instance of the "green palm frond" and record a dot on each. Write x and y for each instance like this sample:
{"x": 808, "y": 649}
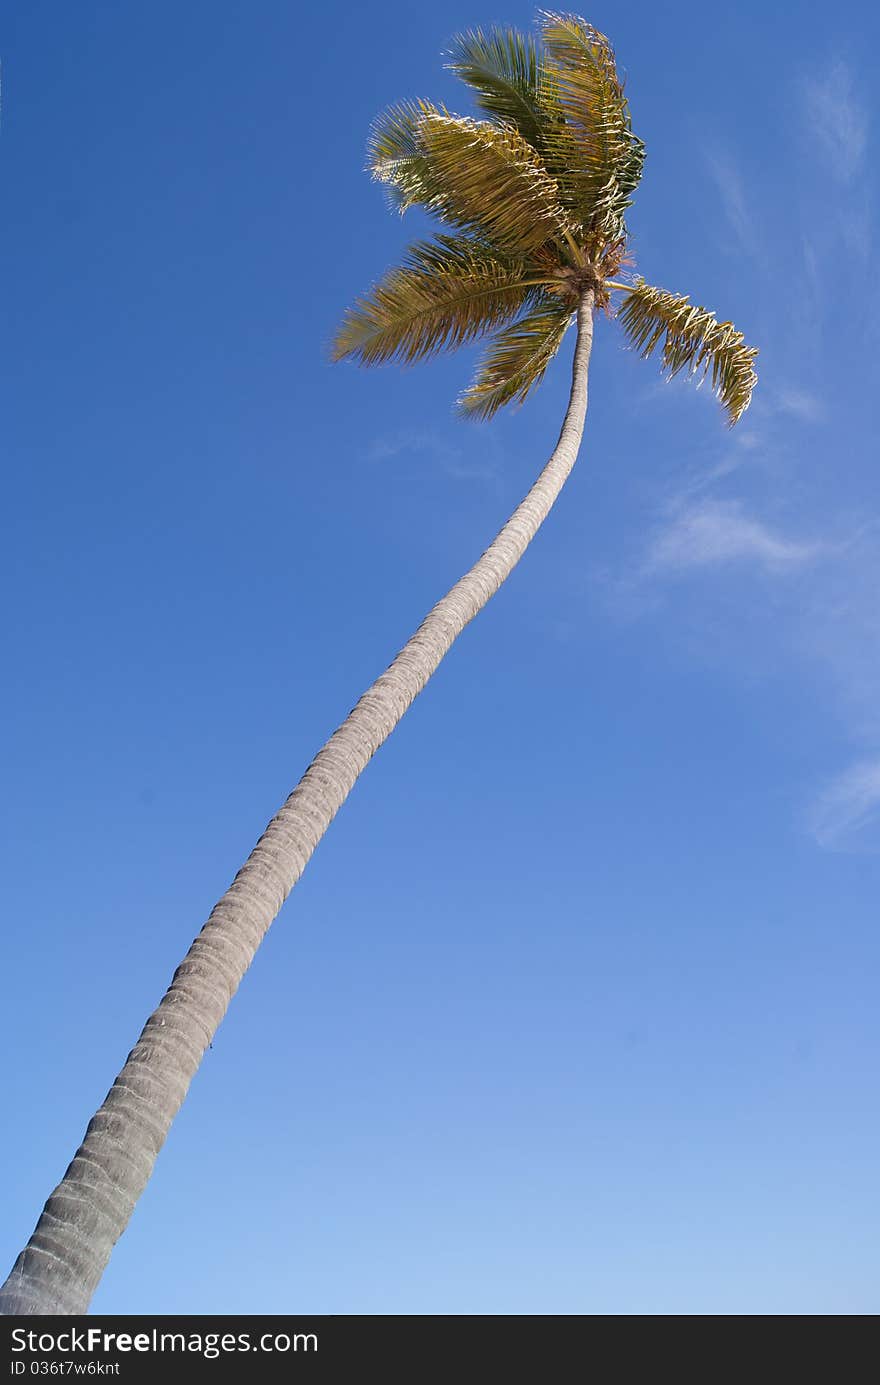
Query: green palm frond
{"x": 447, "y": 292}
{"x": 504, "y": 68}
{"x": 589, "y": 133}
{"x": 693, "y": 340}
{"x": 396, "y": 157}
{"x": 517, "y": 359}
{"x": 491, "y": 181}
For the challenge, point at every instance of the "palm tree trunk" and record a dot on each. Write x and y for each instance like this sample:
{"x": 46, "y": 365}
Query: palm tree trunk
{"x": 59, "y": 1269}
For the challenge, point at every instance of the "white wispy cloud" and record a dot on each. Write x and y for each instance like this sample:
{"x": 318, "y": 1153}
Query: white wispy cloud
{"x": 838, "y": 626}
{"x": 800, "y": 404}
{"x": 451, "y": 459}
{"x": 714, "y": 532}
{"x": 737, "y": 209}
{"x": 409, "y": 440}
{"x": 746, "y": 440}
{"x": 846, "y": 815}
{"x": 837, "y": 124}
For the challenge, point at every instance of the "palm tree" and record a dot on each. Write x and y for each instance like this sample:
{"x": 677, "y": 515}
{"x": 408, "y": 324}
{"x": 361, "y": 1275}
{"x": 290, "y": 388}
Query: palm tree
{"x": 533, "y": 198}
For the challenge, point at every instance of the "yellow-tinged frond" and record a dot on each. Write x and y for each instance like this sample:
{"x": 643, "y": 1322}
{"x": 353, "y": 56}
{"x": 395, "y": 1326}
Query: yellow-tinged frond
{"x": 396, "y": 157}
{"x": 447, "y": 292}
{"x": 693, "y": 340}
{"x": 585, "y": 59}
{"x": 589, "y": 131}
{"x": 492, "y": 181}
{"x": 517, "y": 359}
{"x": 503, "y": 67}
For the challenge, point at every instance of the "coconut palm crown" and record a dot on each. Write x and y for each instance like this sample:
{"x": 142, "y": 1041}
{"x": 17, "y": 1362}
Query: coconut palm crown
{"x": 534, "y": 198}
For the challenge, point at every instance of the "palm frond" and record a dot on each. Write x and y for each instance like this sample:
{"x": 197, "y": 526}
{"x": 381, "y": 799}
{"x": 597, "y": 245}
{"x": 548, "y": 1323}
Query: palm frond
{"x": 693, "y": 340}
{"x": 589, "y": 136}
{"x": 517, "y": 359}
{"x": 396, "y": 157}
{"x": 503, "y": 67}
{"x": 447, "y": 292}
{"x": 491, "y": 181}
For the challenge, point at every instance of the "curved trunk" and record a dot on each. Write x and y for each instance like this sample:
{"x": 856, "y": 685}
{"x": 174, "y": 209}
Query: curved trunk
{"x": 59, "y": 1269}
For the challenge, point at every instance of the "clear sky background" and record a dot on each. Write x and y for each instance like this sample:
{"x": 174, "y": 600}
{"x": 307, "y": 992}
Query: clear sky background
{"x": 575, "y": 1009}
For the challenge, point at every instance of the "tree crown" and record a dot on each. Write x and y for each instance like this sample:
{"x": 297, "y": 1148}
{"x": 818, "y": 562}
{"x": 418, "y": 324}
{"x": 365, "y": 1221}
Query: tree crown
{"x": 533, "y": 198}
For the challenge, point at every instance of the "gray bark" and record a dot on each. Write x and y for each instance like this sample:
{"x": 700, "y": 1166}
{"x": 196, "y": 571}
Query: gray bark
{"x": 59, "y": 1269}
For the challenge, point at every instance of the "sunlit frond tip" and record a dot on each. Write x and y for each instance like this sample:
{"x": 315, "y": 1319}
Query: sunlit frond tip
{"x": 693, "y": 340}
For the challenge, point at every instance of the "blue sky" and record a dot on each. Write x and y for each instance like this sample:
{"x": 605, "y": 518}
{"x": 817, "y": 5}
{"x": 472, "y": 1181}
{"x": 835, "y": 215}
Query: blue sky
{"x": 575, "y": 1008}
